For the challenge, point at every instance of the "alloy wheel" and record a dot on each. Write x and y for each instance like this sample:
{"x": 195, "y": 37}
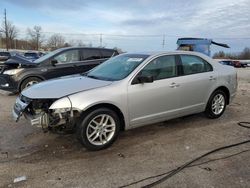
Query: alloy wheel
{"x": 218, "y": 104}
{"x": 101, "y": 129}
{"x": 30, "y": 83}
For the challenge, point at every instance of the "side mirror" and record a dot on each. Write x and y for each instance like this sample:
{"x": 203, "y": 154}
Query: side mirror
{"x": 143, "y": 79}
{"x": 54, "y": 62}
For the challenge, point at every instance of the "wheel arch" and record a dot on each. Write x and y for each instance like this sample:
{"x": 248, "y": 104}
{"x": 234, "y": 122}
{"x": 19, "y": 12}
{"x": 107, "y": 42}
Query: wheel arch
{"x": 109, "y": 106}
{"x": 226, "y": 91}
{"x": 27, "y": 77}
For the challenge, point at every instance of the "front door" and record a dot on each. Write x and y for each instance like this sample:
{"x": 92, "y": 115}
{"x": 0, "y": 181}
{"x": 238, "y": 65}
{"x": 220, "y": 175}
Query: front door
{"x": 156, "y": 101}
{"x": 67, "y": 62}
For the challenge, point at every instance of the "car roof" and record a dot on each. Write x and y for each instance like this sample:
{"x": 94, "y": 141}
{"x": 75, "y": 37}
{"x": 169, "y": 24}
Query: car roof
{"x": 155, "y": 53}
{"x": 79, "y": 47}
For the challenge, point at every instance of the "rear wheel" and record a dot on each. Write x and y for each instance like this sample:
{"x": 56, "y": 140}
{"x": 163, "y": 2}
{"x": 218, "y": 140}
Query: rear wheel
{"x": 29, "y": 82}
{"x": 98, "y": 129}
{"x": 216, "y": 104}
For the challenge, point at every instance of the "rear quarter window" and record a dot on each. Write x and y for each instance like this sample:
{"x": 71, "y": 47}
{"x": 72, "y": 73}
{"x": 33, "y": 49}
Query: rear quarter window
{"x": 108, "y": 53}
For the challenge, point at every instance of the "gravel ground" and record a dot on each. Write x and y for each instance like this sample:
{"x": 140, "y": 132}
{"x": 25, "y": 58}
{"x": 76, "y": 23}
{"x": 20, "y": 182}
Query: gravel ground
{"x": 50, "y": 160}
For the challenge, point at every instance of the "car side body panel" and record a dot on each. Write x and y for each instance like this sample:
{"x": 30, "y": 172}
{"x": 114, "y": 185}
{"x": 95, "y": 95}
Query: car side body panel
{"x": 137, "y": 104}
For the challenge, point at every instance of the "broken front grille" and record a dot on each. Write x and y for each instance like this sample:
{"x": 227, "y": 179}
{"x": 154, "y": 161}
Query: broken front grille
{"x": 2, "y": 69}
{"x": 25, "y": 99}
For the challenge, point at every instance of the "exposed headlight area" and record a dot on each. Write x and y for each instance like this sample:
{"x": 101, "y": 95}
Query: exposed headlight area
{"x": 12, "y": 71}
{"x": 50, "y": 113}
{"x": 37, "y": 111}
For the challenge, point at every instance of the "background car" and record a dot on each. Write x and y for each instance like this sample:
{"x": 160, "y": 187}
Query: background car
{"x": 17, "y": 75}
{"x": 226, "y": 62}
{"x": 32, "y": 56}
{"x": 5, "y": 55}
{"x": 234, "y": 63}
{"x": 128, "y": 91}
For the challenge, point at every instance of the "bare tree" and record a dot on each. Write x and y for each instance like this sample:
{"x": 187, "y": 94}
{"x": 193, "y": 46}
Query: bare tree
{"x": 77, "y": 42}
{"x": 56, "y": 41}
{"x": 36, "y": 37}
{"x": 245, "y": 54}
{"x": 119, "y": 50}
{"x": 13, "y": 32}
{"x": 219, "y": 55}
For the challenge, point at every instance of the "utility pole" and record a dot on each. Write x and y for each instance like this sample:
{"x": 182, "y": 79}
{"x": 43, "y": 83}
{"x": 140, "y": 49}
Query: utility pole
{"x": 163, "y": 41}
{"x": 100, "y": 40}
{"x": 37, "y": 40}
{"x": 6, "y": 30}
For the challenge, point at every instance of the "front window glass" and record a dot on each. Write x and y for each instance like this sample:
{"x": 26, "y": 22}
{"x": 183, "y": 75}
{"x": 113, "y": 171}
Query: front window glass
{"x": 161, "y": 68}
{"x": 117, "y": 67}
{"x": 47, "y": 56}
{"x": 68, "y": 56}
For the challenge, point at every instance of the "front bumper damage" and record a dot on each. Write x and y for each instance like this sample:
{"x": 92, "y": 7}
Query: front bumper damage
{"x": 19, "y": 108}
{"x": 38, "y": 112}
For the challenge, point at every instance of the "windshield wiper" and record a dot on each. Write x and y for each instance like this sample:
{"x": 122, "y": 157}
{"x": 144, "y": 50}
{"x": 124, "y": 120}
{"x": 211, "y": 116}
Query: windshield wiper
{"x": 91, "y": 76}
{"x": 96, "y": 77}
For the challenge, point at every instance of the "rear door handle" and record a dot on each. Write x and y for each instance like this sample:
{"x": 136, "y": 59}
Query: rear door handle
{"x": 173, "y": 85}
{"x": 212, "y": 78}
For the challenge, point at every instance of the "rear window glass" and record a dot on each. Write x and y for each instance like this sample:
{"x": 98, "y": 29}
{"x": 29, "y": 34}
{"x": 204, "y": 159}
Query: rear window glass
{"x": 91, "y": 54}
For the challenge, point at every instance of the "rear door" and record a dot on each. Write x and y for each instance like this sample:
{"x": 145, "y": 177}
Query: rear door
{"x": 89, "y": 59}
{"x": 196, "y": 82}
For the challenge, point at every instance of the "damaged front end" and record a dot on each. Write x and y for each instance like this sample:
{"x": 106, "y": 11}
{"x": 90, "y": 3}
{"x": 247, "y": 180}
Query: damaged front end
{"x": 49, "y": 114}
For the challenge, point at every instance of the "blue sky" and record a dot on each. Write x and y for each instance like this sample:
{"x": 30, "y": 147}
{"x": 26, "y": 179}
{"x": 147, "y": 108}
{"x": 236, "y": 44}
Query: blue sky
{"x": 226, "y": 21}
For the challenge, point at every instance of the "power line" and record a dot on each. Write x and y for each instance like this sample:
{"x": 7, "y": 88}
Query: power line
{"x": 139, "y": 35}
{"x": 163, "y": 42}
{"x": 100, "y": 40}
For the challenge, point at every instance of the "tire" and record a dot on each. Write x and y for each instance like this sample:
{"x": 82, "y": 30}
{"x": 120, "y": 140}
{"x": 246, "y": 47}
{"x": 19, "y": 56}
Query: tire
{"x": 29, "y": 81}
{"x": 91, "y": 130}
{"x": 216, "y": 104}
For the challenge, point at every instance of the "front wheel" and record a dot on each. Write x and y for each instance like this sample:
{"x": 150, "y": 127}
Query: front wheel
{"x": 216, "y": 104}
{"x": 98, "y": 129}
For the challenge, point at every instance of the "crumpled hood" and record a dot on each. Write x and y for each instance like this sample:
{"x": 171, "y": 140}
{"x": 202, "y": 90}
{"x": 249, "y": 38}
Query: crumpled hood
{"x": 57, "y": 88}
{"x": 20, "y": 61}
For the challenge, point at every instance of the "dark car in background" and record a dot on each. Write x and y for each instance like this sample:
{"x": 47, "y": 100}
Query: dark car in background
{"x": 32, "y": 56}
{"x": 5, "y": 55}
{"x": 226, "y": 62}
{"x": 234, "y": 63}
{"x": 17, "y": 74}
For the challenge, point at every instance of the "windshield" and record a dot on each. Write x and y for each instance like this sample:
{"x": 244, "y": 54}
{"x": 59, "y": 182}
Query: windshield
{"x": 30, "y": 54}
{"x": 117, "y": 67}
{"x": 48, "y": 55}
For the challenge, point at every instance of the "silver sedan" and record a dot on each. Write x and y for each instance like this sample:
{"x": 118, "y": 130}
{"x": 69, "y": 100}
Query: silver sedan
{"x": 128, "y": 91}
